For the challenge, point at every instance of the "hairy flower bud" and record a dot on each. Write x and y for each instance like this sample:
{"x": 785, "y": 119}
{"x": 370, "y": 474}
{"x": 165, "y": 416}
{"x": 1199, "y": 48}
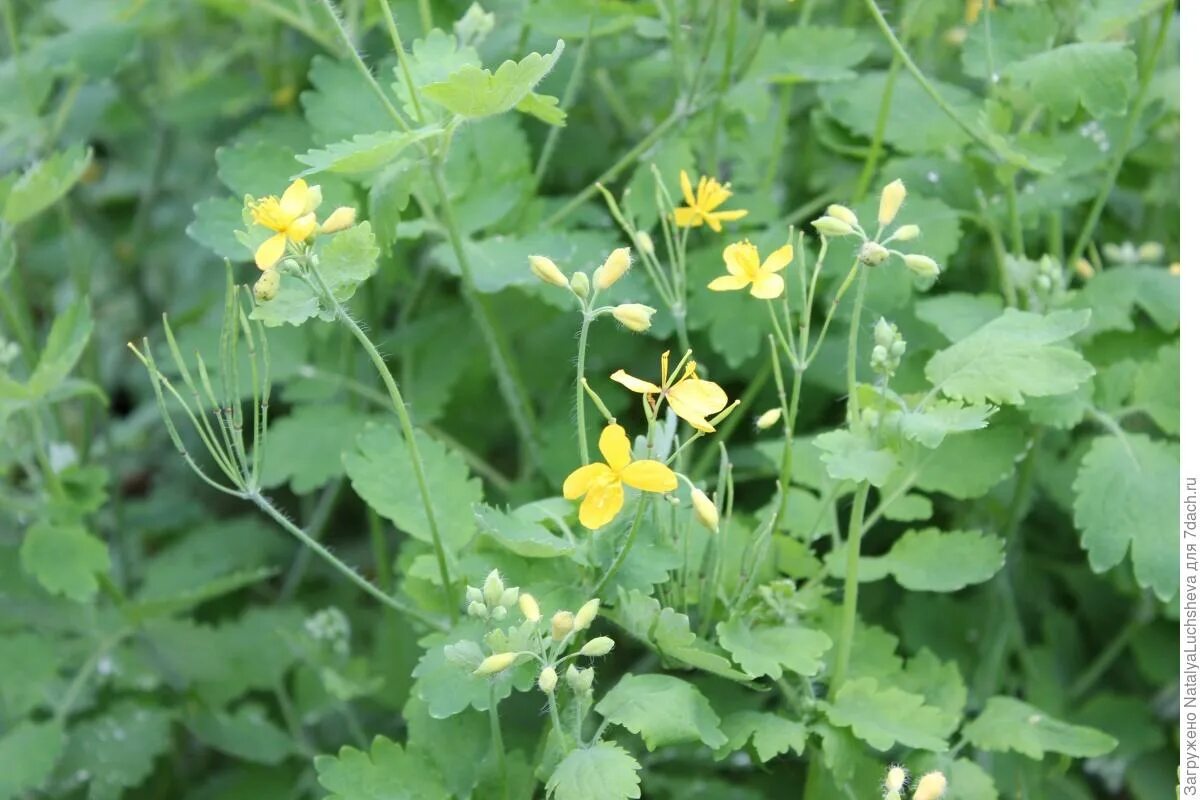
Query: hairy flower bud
{"x": 931, "y": 787}
{"x": 474, "y": 594}
{"x": 529, "y": 607}
{"x": 495, "y": 663}
{"x": 547, "y": 680}
{"x": 493, "y": 588}
{"x": 267, "y": 286}
{"x": 600, "y": 646}
{"x": 616, "y": 265}
{"x": 832, "y": 226}
{"x": 499, "y": 613}
{"x": 768, "y": 419}
{"x": 872, "y": 254}
{"x": 896, "y": 778}
{"x": 890, "y": 200}
{"x": 586, "y": 614}
{"x": 634, "y": 316}
{"x": 477, "y": 610}
{"x": 312, "y": 200}
{"x": 644, "y": 242}
{"x": 509, "y": 598}
{"x": 1150, "y": 252}
{"x": 580, "y": 285}
{"x": 706, "y": 512}
{"x": 906, "y": 233}
{"x": 561, "y": 625}
{"x": 548, "y": 271}
{"x": 1084, "y": 269}
{"x": 341, "y": 218}
{"x": 844, "y": 214}
{"x": 921, "y": 266}
{"x": 580, "y": 680}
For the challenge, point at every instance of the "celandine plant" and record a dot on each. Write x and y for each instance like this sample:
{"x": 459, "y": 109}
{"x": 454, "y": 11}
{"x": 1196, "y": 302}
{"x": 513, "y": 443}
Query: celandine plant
{"x": 717, "y": 400}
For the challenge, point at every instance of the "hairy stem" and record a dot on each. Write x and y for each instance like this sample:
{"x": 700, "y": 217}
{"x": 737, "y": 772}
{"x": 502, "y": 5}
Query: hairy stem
{"x": 850, "y": 595}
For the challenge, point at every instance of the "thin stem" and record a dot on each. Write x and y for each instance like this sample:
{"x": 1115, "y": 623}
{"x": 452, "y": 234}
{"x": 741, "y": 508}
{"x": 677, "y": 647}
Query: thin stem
{"x": 625, "y": 548}
{"x": 876, "y": 150}
{"x": 497, "y": 739}
{"x": 850, "y": 593}
{"x": 554, "y": 719}
{"x": 852, "y": 347}
{"x": 580, "y": 417}
{"x": 1108, "y": 655}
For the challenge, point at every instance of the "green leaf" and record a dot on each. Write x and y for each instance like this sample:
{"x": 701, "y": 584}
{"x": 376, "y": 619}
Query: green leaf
{"x": 1127, "y": 500}
{"x": 957, "y": 315}
{"x": 474, "y": 92}
{"x": 663, "y": 710}
{"x": 68, "y": 337}
{"x": 64, "y": 558}
{"x": 909, "y": 508}
{"x": 772, "y": 734}
{"x": 851, "y": 455}
{"x": 381, "y": 472}
{"x": 28, "y": 750}
{"x": 770, "y": 650}
{"x": 247, "y": 734}
{"x": 1099, "y": 76}
{"x": 810, "y": 53}
{"x": 603, "y": 771}
{"x": 1105, "y": 19}
{"x": 931, "y": 560}
{"x": 1156, "y": 389}
{"x": 543, "y": 107}
{"x": 386, "y": 773}
{"x": 1009, "y": 724}
{"x": 117, "y": 749}
{"x": 216, "y": 219}
{"x": 295, "y": 304}
{"x": 523, "y": 537}
{"x": 930, "y": 425}
{"x": 29, "y": 665}
{"x": 1014, "y": 355}
{"x": 45, "y": 183}
{"x": 940, "y": 683}
{"x": 305, "y": 448}
{"x": 365, "y": 152}
{"x": 969, "y": 464}
{"x": 341, "y": 104}
{"x": 884, "y": 716}
{"x": 1014, "y": 32}
{"x": 347, "y": 258}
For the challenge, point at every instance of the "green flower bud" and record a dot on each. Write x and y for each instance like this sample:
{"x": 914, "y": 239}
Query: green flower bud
{"x": 922, "y": 266}
{"x": 586, "y": 614}
{"x": 499, "y": 613}
{"x": 474, "y": 595}
{"x": 496, "y": 663}
{"x": 580, "y": 285}
{"x": 548, "y": 271}
{"x": 580, "y": 680}
{"x": 832, "y": 226}
{"x": 600, "y": 646}
{"x": 547, "y": 680}
{"x": 509, "y": 598}
{"x": 872, "y": 254}
{"x": 844, "y": 214}
{"x": 267, "y": 286}
{"x": 493, "y": 588}
{"x": 477, "y": 610}
{"x": 906, "y": 233}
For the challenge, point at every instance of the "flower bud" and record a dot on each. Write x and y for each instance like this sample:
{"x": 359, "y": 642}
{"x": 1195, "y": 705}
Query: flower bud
{"x": 879, "y": 354}
{"x": 313, "y": 199}
{"x": 895, "y": 780}
{"x": 493, "y": 588}
{"x": 499, "y": 613}
{"x": 832, "y": 226}
{"x": 495, "y": 663}
{"x": 616, "y": 265}
{"x": 1084, "y": 269}
{"x": 561, "y": 625}
{"x": 341, "y": 218}
{"x": 548, "y": 271}
{"x": 580, "y": 680}
{"x": 931, "y": 787}
{"x": 267, "y": 286}
{"x": 509, "y": 598}
{"x": 477, "y": 610}
{"x": 586, "y": 614}
{"x": 885, "y": 334}
{"x": 474, "y": 595}
{"x": 768, "y": 419}
{"x": 1174, "y": 269}
{"x": 706, "y": 512}
{"x": 921, "y": 266}
{"x": 906, "y": 233}
{"x": 872, "y": 254}
{"x": 600, "y": 646}
{"x": 844, "y": 214}
{"x": 529, "y": 607}
{"x": 644, "y": 242}
{"x": 634, "y": 316}
{"x": 547, "y": 680}
{"x": 890, "y": 200}
{"x": 580, "y": 285}
{"x": 1150, "y": 252}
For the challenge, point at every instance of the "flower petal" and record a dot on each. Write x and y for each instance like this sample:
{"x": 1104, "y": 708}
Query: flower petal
{"x": 778, "y": 260}
{"x": 633, "y": 384}
{"x": 603, "y": 502}
{"x": 741, "y": 259}
{"x": 768, "y": 286}
{"x": 295, "y": 199}
{"x": 729, "y": 216}
{"x": 705, "y": 396}
{"x": 712, "y": 194}
{"x": 615, "y": 447}
{"x": 650, "y": 476}
{"x": 685, "y": 185}
{"x": 688, "y": 217}
{"x": 581, "y": 480}
{"x": 302, "y": 228}
{"x": 728, "y": 283}
{"x": 269, "y": 252}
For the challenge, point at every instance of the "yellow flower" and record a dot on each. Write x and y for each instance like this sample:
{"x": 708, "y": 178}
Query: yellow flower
{"x": 290, "y": 216}
{"x": 601, "y": 484}
{"x": 691, "y": 398}
{"x": 741, "y": 260}
{"x": 701, "y": 207}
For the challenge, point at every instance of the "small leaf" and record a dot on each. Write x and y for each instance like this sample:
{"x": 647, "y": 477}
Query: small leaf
{"x": 522, "y": 537}
{"x": 388, "y": 772}
{"x": 603, "y": 771}
{"x": 850, "y": 455}
{"x": 44, "y": 183}
{"x": 1100, "y": 76}
{"x": 68, "y": 337}
{"x": 474, "y": 92}
{"x": 543, "y": 107}
{"x": 1009, "y": 724}
{"x": 772, "y": 734}
{"x": 931, "y": 560}
{"x": 663, "y": 710}
{"x": 28, "y": 750}
{"x": 366, "y": 152}
{"x": 930, "y": 425}
{"x": 882, "y": 717}
{"x": 64, "y": 558}
{"x": 305, "y": 448}
{"x": 247, "y": 734}
{"x": 770, "y": 650}
{"x": 117, "y": 749}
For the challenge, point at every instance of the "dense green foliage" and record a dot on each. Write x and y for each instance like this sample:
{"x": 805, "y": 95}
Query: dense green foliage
{"x": 338, "y": 526}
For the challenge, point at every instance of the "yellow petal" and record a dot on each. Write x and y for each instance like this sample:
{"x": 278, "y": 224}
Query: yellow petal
{"x": 302, "y": 228}
{"x": 650, "y": 476}
{"x": 295, "y": 199}
{"x": 603, "y": 502}
{"x": 741, "y": 259}
{"x": 633, "y": 384}
{"x": 729, "y": 216}
{"x": 778, "y": 260}
{"x": 693, "y": 400}
{"x": 685, "y": 184}
{"x": 578, "y": 482}
{"x": 713, "y": 195}
{"x": 768, "y": 286}
{"x": 269, "y": 252}
{"x": 688, "y": 217}
{"x": 728, "y": 283}
{"x": 615, "y": 447}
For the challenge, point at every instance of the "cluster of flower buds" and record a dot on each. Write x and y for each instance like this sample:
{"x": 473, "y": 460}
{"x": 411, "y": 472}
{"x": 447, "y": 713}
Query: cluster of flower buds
{"x": 634, "y": 316}
{"x": 493, "y": 599}
{"x": 889, "y": 347}
{"x": 329, "y": 627}
{"x": 932, "y": 785}
{"x": 874, "y": 251}
{"x": 1043, "y": 281}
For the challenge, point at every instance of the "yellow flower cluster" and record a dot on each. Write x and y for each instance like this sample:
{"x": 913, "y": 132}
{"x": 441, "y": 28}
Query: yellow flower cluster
{"x": 292, "y": 217}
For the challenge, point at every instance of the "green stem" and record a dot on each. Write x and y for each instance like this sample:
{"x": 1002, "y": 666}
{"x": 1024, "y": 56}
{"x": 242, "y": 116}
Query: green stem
{"x": 852, "y": 347}
{"x": 379, "y": 548}
{"x": 497, "y": 740}
{"x": 850, "y": 596}
{"x": 1135, "y": 115}
{"x": 876, "y": 150}
{"x": 554, "y": 719}
{"x": 625, "y": 548}
{"x": 580, "y": 417}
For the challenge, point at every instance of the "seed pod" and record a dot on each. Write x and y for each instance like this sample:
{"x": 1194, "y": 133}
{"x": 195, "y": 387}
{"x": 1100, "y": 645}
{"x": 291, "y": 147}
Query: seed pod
{"x": 832, "y": 226}
{"x": 267, "y": 286}
{"x": 844, "y": 214}
{"x": 496, "y": 663}
{"x": 923, "y": 266}
{"x": 872, "y": 254}
{"x": 706, "y": 512}
{"x": 493, "y": 588}
{"x": 616, "y": 265}
{"x": 768, "y": 419}
{"x": 341, "y": 219}
{"x": 529, "y": 607}
{"x": 580, "y": 285}
{"x": 548, "y": 271}
{"x": 586, "y": 614}
{"x": 906, "y": 233}
{"x": 561, "y": 625}
{"x": 547, "y": 680}
{"x": 600, "y": 646}
{"x": 931, "y": 787}
{"x": 890, "y": 200}
{"x": 634, "y": 316}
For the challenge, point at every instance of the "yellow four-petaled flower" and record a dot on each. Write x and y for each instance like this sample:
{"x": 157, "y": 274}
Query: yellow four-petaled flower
{"x": 691, "y": 398}
{"x": 291, "y": 217}
{"x": 601, "y": 485}
{"x": 741, "y": 261}
{"x": 700, "y": 207}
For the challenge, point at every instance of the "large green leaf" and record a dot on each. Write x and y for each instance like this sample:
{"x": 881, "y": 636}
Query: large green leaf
{"x": 28, "y": 750}
{"x": 1009, "y": 724}
{"x": 64, "y": 558}
{"x": 44, "y": 183}
{"x": 931, "y": 560}
{"x": 603, "y": 771}
{"x": 771, "y": 734}
{"x": 366, "y": 152}
{"x": 770, "y": 650}
{"x": 116, "y": 750}
{"x": 474, "y": 92}
{"x": 1100, "y": 76}
{"x": 884, "y": 716}
{"x": 663, "y": 710}
{"x": 305, "y": 448}
{"x": 387, "y": 772}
